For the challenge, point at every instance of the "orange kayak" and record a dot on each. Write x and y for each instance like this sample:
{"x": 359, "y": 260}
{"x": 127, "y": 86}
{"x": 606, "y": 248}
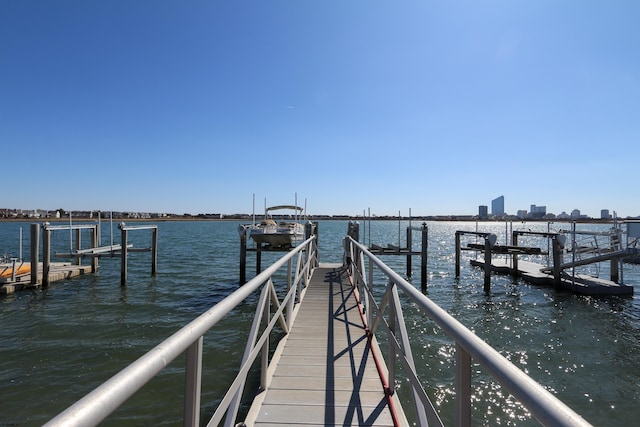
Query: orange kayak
{"x": 23, "y": 269}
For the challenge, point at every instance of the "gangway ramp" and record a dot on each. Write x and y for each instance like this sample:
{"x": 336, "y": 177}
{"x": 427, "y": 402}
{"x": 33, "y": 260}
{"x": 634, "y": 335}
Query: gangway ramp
{"x": 326, "y": 372}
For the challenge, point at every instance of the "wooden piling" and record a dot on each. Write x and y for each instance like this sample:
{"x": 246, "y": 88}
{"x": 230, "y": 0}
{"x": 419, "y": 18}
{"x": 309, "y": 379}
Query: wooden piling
{"x": 457, "y": 254}
{"x": 154, "y": 251}
{"x": 94, "y": 244}
{"x": 409, "y": 249}
{"x": 514, "y": 242}
{"x": 258, "y": 259}
{"x": 556, "y": 254}
{"x": 423, "y": 258}
{"x": 123, "y": 257}
{"x": 46, "y": 255}
{"x": 487, "y": 264}
{"x": 614, "y": 245}
{"x": 78, "y": 260}
{"x": 353, "y": 230}
{"x": 35, "y": 252}
{"x": 243, "y": 257}
{"x": 615, "y": 270}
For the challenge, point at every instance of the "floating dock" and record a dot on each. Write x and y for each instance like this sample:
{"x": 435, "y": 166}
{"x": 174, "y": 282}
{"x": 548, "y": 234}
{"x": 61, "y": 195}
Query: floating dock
{"x": 19, "y": 275}
{"x": 57, "y": 271}
{"x": 582, "y": 284}
{"x": 559, "y": 274}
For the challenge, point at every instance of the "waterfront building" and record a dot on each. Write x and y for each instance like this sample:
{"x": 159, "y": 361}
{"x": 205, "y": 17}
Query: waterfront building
{"x": 483, "y": 211}
{"x": 497, "y": 206}
{"x": 537, "y": 211}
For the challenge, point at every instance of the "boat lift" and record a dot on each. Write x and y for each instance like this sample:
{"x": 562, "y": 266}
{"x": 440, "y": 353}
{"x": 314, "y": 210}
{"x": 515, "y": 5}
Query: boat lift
{"x": 94, "y": 251}
{"x": 585, "y": 248}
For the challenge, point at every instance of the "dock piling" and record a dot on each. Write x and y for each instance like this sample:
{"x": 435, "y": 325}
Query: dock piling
{"x": 123, "y": 258}
{"x": 258, "y": 259}
{"x": 423, "y": 259}
{"x": 154, "y": 251}
{"x": 557, "y": 244}
{"x": 489, "y": 241}
{"x": 94, "y": 244}
{"x": 35, "y": 252}
{"x": 458, "y": 233}
{"x": 46, "y": 255}
{"x": 243, "y": 257}
{"x": 409, "y": 248}
{"x": 78, "y": 260}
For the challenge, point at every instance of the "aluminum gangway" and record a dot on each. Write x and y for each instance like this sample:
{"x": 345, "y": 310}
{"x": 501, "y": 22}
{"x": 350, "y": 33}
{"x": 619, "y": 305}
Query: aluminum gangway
{"x": 342, "y": 378}
{"x": 328, "y": 370}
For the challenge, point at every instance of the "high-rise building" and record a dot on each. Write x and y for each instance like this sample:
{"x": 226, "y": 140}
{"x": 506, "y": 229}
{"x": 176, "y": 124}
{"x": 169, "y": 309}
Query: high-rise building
{"x": 497, "y": 206}
{"x": 537, "y": 211}
{"x": 483, "y": 211}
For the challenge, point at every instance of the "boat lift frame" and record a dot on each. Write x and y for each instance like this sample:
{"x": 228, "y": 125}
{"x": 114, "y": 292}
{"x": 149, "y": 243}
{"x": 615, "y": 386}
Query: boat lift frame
{"x": 94, "y": 252}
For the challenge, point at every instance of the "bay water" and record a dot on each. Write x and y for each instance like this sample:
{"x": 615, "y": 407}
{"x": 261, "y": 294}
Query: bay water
{"x": 58, "y": 344}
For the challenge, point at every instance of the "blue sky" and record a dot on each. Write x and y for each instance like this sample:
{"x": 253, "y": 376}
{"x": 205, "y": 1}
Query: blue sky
{"x": 437, "y": 106}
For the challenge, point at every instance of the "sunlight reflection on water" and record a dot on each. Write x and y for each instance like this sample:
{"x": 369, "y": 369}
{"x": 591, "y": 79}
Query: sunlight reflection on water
{"x": 76, "y": 334}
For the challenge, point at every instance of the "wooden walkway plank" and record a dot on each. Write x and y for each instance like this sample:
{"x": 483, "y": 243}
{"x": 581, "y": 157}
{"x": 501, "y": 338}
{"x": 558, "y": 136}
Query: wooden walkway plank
{"x": 325, "y": 373}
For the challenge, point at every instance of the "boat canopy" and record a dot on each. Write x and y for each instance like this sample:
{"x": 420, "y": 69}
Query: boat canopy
{"x": 275, "y": 208}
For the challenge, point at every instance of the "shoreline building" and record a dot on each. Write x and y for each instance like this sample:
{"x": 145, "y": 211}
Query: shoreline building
{"x": 497, "y": 206}
{"x": 537, "y": 211}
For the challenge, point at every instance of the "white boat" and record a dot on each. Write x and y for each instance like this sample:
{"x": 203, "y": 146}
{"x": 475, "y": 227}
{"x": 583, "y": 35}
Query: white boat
{"x": 273, "y": 234}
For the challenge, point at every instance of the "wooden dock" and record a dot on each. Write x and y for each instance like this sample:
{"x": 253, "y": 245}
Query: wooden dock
{"x": 324, "y": 372}
{"x": 57, "y": 271}
{"x": 535, "y": 273}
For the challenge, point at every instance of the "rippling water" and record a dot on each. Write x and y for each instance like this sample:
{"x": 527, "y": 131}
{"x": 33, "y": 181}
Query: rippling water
{"x": 58, "y": 344}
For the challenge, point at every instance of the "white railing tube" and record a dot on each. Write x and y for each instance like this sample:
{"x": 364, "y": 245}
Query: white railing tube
{"x": 391, "y": 364}
{"x": 408, "y": 356}
{"x": 238, "y": 383}
{"x": 106, "y": 398}
{"x": 249, "y": 346}
{"x": 542, "y": 404}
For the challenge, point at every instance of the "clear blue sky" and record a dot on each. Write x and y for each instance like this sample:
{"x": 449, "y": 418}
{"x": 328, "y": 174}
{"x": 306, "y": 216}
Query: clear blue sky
{"x": 438, "y": 106}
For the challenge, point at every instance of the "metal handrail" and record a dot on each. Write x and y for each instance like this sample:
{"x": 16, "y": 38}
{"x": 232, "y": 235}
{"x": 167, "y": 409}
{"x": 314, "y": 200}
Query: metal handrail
{"x": 106, "y": 398}
{"x": 542, "y": 404}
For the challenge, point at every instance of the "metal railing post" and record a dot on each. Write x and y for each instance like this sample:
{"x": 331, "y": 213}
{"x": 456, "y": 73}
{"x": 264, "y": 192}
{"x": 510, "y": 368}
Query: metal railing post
{"x": 370, "y": 313}
{"x": 106, "y": 398}
{"x": 463, "y": 387}
{"x": 192, "y": 385}
{"x": 264, "y": 366}
{"x": 391, "y": 363}
{"x": 542, "y": 405}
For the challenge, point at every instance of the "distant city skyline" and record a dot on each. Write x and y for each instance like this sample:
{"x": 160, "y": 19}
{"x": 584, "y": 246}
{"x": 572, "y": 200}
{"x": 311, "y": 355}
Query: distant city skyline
{"x": 482, "y": 213}
{"x": 535, "y": 211}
